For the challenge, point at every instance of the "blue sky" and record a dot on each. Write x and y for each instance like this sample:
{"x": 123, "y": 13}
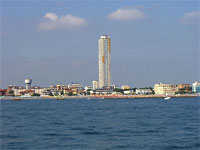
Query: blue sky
{"x": 57, "y": 42}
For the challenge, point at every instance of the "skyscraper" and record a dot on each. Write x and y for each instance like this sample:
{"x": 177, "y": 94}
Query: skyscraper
{"x": 104, "y": 61}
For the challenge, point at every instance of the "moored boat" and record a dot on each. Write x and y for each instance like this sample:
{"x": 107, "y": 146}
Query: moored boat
{"x": 167, "y": 98}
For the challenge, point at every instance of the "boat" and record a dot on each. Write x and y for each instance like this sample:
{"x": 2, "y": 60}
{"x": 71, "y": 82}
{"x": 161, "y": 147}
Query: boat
{"x": 167, "y": 98}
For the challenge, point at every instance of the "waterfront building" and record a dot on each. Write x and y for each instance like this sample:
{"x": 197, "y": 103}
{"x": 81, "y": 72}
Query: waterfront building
{"x": 115, "y": 86}
{"x": 88, "y": 88}
{"x": 143, "y": 91}
{"x": 128, "y": 92}
{"x": 58, "y": 87}
{"x": 10, "y": 90}
{"x": 27, "y": 92}
{"x": 196, "y": 87}
{"x": 95, "y": 84}
{"x": 104, "y": 61}
{"x": 38, "y": 90}
{"x": 18, "y": 90}
{"x": 184, "y": 88}
{"x": 75, "y": 86}
{"x": 2, "y": 92}
{"x": 165, "y": 89}
{"x": 104, "y": 91}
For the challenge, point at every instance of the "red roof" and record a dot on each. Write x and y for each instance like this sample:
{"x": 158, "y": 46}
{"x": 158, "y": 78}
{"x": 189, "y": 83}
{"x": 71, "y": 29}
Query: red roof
{"x": 2, "y": 90}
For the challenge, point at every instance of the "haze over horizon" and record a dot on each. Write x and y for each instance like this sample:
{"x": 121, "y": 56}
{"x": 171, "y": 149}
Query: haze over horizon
{"x": 56, "y": 42}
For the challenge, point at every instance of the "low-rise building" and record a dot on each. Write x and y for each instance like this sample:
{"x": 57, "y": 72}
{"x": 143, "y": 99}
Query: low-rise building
{"x": 75, "y": 86}
{"x": 10, "y": 90}
{"x": 2, "y": 92}
{"x": 106, "y": 90}
{"x": 37, "y": 90}
{"x": 115, "y": 86}
{"x": 196, "y": 87}
{"x": 88, "y": 88}
{"x": 27, "y": 92}
{"x": 46, "y": 92}
{"x": 103, "y": 91}
{"x": 165, "y": 89}
{"x": 128, "y": 92}
{"x": 184, "y": 88}
{"x": 18, "y": 89}
{"x": 143, "y": 91}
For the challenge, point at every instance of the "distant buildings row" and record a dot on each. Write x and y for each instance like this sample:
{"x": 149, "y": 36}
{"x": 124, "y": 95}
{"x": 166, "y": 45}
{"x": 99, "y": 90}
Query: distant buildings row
{"x": 101, "y": 86}
{"x": 78, "y": 89}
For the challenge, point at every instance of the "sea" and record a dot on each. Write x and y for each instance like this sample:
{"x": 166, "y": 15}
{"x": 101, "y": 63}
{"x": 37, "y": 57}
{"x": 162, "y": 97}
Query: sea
{"x": 100, "y": 124}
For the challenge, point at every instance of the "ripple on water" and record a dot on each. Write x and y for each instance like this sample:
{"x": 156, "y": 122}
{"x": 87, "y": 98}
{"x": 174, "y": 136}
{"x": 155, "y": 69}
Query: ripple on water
{"x": 98, "y": 124}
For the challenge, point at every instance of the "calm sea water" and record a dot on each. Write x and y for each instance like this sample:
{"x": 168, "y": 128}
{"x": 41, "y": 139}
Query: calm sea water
{"x": 151, "y": 124}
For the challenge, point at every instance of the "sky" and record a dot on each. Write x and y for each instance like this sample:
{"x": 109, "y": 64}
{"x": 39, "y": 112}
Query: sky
{"x": 56, "y": 42}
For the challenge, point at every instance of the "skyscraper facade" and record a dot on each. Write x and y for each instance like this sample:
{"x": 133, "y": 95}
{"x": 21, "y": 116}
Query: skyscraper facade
{"x": 104, "y": 61}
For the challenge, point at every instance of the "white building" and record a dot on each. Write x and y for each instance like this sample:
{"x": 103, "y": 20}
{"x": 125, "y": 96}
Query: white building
{"x": 95, "y": 84}
{"x": 104, "y": 61}
{"x": 115, "y": 86}
{"x": 75, "y": 85}
{"x": 128, "y": 92}
{"x": 143, "y": 91}
{"x": 165, "y": 89}
{"x": 88, "y": 88}
{"x": 17, "y": 90}
{"x": 196, "y": 87}
{"x": 38, "y": 90}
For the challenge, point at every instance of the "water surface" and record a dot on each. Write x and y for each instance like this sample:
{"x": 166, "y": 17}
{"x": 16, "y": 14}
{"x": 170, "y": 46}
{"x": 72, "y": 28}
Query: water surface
{"x": 152, "y": 124}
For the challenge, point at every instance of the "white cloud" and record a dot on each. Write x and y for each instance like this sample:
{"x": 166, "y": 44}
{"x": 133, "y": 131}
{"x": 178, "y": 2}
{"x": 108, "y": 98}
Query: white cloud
{"x": 51, "y": 22}
{"x": 51, "y": 16}
{"x": 191, "y": 17}
{"x": 127, "y": 14}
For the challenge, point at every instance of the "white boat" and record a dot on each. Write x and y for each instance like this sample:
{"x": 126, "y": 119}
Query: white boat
{"x": 167, "y": 98}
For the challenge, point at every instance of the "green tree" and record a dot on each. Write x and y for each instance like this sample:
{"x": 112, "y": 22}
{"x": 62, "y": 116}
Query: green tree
{"x": 118, "y": 90}
{"x": 36, "y": 94}
{"x": 70, "y": 94}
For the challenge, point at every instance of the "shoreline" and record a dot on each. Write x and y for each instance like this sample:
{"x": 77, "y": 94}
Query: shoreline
{"x": 99, "y": 97}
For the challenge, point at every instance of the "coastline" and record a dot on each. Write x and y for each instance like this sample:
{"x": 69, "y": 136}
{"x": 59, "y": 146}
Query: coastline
{"x": 99, "y": 97}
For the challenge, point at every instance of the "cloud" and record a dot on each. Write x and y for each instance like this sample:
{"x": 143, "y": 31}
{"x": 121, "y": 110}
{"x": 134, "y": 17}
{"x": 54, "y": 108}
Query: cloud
{"x": 127, "y": 14}
{"x": 191, "y": 17}
{"x": 51, "y": 16}
{"x": 51, "y": 22}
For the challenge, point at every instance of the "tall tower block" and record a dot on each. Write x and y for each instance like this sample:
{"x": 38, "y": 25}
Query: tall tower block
{"x": 104, "y": 61}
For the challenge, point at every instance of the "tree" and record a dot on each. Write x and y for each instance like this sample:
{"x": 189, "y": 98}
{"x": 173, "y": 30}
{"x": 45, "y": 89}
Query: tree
{"x": 11, "y": 92}
{"x": 36, "y": 94}
{"x": 118, "y": 90}
{"x": 70, "y": 94}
